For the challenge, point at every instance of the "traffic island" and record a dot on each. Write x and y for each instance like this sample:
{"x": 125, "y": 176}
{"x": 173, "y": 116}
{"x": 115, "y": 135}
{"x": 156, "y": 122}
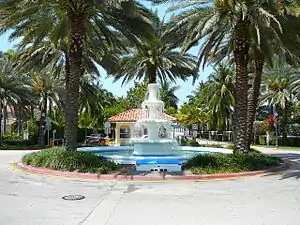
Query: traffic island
{"x": 132, "y": 175}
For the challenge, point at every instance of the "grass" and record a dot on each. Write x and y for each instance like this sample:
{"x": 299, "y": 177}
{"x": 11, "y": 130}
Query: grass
{"x": 279, "y": 147}
{"x": 59, "y": 159}
{"x": 230, "y": 163}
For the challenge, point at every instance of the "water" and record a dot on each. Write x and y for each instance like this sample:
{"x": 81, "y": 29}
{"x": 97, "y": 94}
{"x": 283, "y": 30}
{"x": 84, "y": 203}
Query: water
{"x": 124, "y": 154}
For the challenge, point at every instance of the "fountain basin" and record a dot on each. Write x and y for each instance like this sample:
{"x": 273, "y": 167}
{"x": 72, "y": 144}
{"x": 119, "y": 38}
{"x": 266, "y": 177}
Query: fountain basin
{"x": 124, "y": 154}
{"x": 162, "y": 147}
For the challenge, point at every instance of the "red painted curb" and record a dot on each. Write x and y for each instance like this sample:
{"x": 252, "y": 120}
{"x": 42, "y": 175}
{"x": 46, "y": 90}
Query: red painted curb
{"x": 120, "y": 177}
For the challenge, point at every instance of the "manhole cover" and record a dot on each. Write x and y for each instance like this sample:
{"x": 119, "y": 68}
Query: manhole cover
{"x": 73, "y": 197}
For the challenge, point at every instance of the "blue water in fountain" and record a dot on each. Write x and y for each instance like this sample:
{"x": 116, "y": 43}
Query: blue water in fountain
{"x": 124, "y": 154}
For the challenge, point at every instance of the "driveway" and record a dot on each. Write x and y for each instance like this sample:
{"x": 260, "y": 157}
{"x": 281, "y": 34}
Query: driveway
{"x": 37, "y": 200}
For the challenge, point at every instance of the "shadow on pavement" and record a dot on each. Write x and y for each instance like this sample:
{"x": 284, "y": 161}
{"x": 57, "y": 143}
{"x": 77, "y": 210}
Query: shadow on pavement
{"x": 295, "y": 170}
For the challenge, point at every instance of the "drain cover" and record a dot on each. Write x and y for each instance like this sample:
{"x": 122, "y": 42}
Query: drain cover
{"x": 73, "y": 197}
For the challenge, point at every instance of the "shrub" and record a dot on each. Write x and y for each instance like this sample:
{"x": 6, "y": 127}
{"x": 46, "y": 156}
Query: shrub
{"x": 262, "y": 139}
{"x": 60, "y": 159}
{"x": 31, "y": 126}
{"x": 17, "y": 142}
{"x": 12, "y": 136}
{"x": 194, "y": 143}
{"x": 230, "y": 163}
{"x": 212, "y": 145}
{"x": 187, "y": 142}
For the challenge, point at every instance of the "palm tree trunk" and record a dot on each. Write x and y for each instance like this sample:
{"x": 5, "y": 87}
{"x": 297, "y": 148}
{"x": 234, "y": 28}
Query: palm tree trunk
{"x": 18, "y": 115}
{"x": 284, "y": 124}
{"x": 73, "y": 78}
{"x": 152, "y": 75}
{"x": 253, "y": 96}
{"x": 241, "y": 61}
{"x": 4, "y": 118}
{"x": 42, "y": 127}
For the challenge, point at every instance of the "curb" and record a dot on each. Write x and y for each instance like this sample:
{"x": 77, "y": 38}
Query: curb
{"x": 121, "y": 177}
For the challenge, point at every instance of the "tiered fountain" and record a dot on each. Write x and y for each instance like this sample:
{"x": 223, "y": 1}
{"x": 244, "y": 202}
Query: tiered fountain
{"x": 152, "y": 148}
{"x": 153, "y": 129}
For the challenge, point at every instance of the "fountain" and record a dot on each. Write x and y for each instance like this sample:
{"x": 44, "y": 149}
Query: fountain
{"x": 151, "y": 146}
{"x": 156, "y": 141}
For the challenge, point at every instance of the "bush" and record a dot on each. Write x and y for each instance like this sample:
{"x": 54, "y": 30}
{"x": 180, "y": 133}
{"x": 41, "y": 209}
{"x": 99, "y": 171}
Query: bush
{"x": 31, "y": 126}
{"x": 17, "y": 142}
{"x": 12, "y": 136}
{"x": 60, "y": 159}
{"x": 187, "y": 142}
{"x": 230, "y": 163}
{"x": 212, "y": 145}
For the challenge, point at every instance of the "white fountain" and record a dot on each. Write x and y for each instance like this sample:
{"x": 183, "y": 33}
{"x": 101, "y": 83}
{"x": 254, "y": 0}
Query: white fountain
{"x": 154, "y": 128}
{"x": 152, "y": 147}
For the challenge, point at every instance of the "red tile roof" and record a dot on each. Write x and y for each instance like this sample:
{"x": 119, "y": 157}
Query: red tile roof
{"x": 133, "y": 115}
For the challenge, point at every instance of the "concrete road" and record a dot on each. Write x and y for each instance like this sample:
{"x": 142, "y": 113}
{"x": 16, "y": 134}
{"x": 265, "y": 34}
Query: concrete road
{"x": 36, "y": 200}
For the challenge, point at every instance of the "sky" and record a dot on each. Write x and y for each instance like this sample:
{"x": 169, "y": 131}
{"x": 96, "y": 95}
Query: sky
{"x": 186, "y": 87}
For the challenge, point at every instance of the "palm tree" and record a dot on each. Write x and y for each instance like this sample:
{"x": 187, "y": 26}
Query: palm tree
{"x": 13, "y": 93}
{"x": 155, "y": 56}
{"x": 229, "y": 22}
{"x": 278, "y": 91}
{"x": 92, "y": 100}
{"x": 168, "y": 95}
{"x": 48, "y": 91}
{"x": 77, "y": 23}
{"x": 220, "y": 89}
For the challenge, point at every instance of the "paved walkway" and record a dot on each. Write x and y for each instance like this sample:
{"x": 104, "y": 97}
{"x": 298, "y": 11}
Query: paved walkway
{"x": 36, "y": 200}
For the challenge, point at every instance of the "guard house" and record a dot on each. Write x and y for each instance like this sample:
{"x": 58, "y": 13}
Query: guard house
{"x": 124, "y": 124}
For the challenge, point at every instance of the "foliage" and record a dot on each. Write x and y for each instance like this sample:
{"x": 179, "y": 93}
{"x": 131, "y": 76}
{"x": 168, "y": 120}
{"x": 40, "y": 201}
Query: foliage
{"x": 279, "y": 92}
{"x": 189, "y": 113}
{"x": 136, "y": 95}
{"x": 230, "y": 163}
{"x": 187, "y": 142}
{"x": 156, "y": 57}
{"x": 60, "y": 159}
{"x": 171, "y": 111}
{"x": 293, "y": 129}
{"x": 13, "y": 136}
{"x": 18, "y": 142}
{"x": 168, "y": 95}
{"x": 31, "y": 126}
{"x": 212, "y": 145}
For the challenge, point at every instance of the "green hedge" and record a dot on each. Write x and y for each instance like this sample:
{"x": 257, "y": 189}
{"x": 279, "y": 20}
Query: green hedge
{"x": 291, "y": 141}
{"x": 230, "y": 163}
{"x": 60, "y": 159}
{"x": 17, "y": 142}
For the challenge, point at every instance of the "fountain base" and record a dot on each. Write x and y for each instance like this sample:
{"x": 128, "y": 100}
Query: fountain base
{"x": 148, "y": 148}
{"x": 159, "y": 165}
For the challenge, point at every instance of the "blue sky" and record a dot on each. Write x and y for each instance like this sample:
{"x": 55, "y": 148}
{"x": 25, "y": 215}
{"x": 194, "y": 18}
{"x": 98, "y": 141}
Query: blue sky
{"x": 116, "y": 88}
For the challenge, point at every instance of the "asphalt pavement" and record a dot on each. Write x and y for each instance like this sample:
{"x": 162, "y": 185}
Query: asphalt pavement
{"x": 27, "y": 199}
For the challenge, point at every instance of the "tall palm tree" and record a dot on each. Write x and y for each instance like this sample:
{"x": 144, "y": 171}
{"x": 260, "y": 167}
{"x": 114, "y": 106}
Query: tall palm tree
{"x": 168, "y": 95}
{"x": 48, "y": 90}
{"x": 13, "y": 93}
{"x": 230, "y": 22}
{"x": 220, "y": 89}
{"x": 78, "y": 22}
{"x": 155, "y": 57}
{"x": 278, "y": 91}
{"x": 92, "y": 100}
